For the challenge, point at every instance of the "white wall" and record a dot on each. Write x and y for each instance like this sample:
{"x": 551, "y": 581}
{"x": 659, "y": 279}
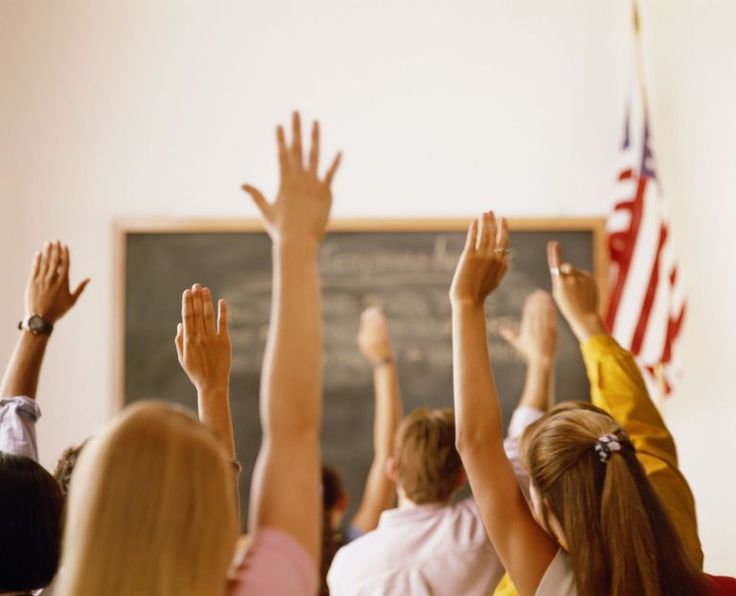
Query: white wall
{"x": 122, "y": 109}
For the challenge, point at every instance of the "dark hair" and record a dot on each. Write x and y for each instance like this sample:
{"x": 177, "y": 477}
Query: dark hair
{"x": 31, "y": 506}
{"x": 332, "y": 491}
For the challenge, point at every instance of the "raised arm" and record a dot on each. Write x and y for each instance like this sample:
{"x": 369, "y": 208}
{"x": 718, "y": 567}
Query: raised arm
{"x": 285, "y": 490}
{"x": 47, "y": 299}
{"x": 375, "y": 344}
{"x": 618, "y": 388}
{"x": 205, "y": 353}
{"x": 535, "y": 340}
{"x": 524, "y": 548}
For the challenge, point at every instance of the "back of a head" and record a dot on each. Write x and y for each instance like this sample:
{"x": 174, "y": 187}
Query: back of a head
{"x": 65, "y": 467}
{"x": 427, "y": 462}
{"x": 619, "y": 538}
{"x": 31, "y": 505}
{"x": 151, "y": 508}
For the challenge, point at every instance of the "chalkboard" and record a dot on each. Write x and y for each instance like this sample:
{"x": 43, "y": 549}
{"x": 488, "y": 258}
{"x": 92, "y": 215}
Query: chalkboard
{"x": 406, "y": 266}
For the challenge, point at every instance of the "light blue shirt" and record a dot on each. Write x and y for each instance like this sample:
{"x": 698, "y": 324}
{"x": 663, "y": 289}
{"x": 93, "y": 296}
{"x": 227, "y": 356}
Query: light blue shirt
{"x": 18, "y": 416}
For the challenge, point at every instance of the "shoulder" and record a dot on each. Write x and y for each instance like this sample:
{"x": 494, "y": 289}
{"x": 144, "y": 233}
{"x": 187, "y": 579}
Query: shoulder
{"x": 559, "y": 579}
{"x": 275, "y": 564}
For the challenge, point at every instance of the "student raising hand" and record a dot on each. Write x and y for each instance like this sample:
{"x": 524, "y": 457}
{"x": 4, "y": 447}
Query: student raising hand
{"x": 204, "y": 350}
{"x": 286, "y": 501}
{"x": 302, "y": 206}
{"x": 576, "y": 294}
{"x": 483, "y": 262}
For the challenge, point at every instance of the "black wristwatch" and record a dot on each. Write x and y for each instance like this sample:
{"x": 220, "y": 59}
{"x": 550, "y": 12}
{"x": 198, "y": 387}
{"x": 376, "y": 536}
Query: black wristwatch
{"x": 36, "y": 325}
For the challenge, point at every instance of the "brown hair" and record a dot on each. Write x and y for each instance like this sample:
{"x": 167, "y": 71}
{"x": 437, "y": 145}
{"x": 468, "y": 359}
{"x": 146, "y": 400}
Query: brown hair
{"x": 619, "y": 538}
{"x": 427, "y": 463}
{"x": 332, "y": 491}
{"x": 65, "y": 467}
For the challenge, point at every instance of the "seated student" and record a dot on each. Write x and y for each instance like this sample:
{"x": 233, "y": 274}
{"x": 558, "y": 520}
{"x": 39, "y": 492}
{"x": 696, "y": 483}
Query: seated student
{"x": 429, "y": 545}
{"x": 374, "y": 343}
{"x": 30, "y": 497}
{"x": 174, "y": 531}
{"x": 601, "y": 528}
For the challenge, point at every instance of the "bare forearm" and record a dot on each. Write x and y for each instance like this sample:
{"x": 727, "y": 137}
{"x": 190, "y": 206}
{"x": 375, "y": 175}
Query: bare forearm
{"x": 388, "y": 408}
{"x": 478, "y": 418}
{"x": 292, "y": 368}
{"x": 214, "y": 412}
{"x": 24, "y": 368}
{"x": 379, "y": 493}
{"x": 538, "y": 385}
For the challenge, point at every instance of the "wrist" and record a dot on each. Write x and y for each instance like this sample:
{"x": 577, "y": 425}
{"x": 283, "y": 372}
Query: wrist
{"x": 382, "y": 362}
{"x": 36, "y": 324}
{"x": 541, "y": 362}
{"x": 466, "y": 304}
{"x": 587, "y": 326}
{"x": 294, "y": 246}
{"x": 210, "y": 391}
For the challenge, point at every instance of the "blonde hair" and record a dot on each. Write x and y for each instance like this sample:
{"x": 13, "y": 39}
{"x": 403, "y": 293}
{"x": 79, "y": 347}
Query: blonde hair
{"x": 427, "y": 462}
{"x": 151, "y": 509}
{"x": 619, "y": 537}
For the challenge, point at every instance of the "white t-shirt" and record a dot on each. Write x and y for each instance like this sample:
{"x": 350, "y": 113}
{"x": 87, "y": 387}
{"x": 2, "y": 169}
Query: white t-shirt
{"x": 422, "y": 550}
{"x": 428, "y": 549}
{"x": 559, "y": 579}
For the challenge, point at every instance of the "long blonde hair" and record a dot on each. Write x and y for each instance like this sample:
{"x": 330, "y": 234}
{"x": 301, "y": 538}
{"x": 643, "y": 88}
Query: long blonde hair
{"x": 619, "y": 537}
{"x": 151, "y": 509}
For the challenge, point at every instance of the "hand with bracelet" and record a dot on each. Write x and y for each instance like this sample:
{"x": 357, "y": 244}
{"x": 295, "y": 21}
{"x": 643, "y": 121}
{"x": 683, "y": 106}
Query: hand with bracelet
{"x": 47, "y": 299}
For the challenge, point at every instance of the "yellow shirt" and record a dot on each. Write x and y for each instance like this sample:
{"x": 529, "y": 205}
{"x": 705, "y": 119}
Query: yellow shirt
{"x": 616, "y": 386}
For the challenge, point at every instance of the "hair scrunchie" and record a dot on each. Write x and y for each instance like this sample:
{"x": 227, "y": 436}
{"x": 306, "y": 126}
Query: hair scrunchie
{"x": 606, "y": 445}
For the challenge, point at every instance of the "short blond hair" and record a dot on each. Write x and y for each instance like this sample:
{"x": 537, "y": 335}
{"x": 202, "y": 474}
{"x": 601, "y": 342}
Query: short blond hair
{"x": 427, "y": 462}
{"x": 151, "y": 509}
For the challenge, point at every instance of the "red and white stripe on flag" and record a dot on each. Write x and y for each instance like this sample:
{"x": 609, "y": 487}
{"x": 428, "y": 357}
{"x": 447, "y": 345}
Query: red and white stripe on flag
{"x": 647, "y": 300}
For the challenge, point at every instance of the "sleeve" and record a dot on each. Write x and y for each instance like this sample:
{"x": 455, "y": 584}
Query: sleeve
{"x": 18, "y": 416}
{"x": 618, "y": 388}
{"x": 522, "y": 417}
{"x": 353, "y": 533}
{"x": 275, "y": 564}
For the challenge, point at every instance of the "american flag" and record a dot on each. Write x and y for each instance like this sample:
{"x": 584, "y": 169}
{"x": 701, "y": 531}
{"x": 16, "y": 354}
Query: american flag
{"x": 647, "y": 303}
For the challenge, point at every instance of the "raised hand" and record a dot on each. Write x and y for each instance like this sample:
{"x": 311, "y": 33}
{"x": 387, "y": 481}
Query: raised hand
{"x": 302, "y": 206}
{"x": 374, "y": 340}
{"x": 483, "y": 262}
{"x": 536, "y": 338}
{"x": 203, "y": 346}
{"x": 47, "y": 290}
{"x": 576, "y": 294}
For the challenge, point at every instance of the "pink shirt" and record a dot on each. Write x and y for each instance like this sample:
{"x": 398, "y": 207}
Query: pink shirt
{"x": 274, "y": 565}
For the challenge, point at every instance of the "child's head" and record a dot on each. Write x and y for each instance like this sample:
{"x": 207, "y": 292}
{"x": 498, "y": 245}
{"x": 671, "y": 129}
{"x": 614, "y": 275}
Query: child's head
{"x": 426, "y": 466}
{"x": 591, "y": 493}
{"x": 151, "y": 508}
{"x": 65, "y": 467}
{"x": 31, "y": 506}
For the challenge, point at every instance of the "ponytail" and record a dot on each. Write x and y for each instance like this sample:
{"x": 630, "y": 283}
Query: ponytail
{"x": 619, "y": 539}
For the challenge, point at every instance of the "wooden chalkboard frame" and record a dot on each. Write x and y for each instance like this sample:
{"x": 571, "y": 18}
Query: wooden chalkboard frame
{"x": 122, "y": 228}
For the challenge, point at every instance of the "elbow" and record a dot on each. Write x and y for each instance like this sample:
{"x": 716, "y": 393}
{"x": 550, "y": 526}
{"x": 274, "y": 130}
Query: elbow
{"x": 467, "y": 443}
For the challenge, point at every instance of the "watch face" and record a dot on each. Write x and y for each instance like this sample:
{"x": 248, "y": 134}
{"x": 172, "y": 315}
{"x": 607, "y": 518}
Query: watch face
{"x": 36, "y": 324}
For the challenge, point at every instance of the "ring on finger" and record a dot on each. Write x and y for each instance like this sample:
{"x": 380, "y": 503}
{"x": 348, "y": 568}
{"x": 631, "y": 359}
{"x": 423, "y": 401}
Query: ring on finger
{"x": 502, "y": 251}
{"x": 554, "y": 271}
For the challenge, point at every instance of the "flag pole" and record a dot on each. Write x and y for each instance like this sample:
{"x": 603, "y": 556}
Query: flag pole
{"x": 636, "y": 27}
